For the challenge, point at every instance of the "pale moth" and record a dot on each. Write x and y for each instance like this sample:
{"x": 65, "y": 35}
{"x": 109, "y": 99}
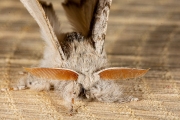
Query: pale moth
{"x": 75, "y": 63}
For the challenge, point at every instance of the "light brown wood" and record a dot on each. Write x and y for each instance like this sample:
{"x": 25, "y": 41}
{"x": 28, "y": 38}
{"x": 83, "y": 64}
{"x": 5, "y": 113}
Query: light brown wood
{"x": 141, "y": 34}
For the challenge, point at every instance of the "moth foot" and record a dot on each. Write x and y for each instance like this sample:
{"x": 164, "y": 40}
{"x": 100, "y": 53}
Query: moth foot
{"x": 72, "y": 111}
{"x": 5, "y": 89}
{"x": 13, "y": 88}
{"x": 134, "y": 99}
{"x": 21, "y": 87}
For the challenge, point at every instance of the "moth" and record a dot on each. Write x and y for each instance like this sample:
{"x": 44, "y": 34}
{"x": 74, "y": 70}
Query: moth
{"x": 75, "y": 63}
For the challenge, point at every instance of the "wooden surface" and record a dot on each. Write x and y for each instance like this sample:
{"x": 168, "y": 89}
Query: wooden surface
{"x": 141, "y": 34}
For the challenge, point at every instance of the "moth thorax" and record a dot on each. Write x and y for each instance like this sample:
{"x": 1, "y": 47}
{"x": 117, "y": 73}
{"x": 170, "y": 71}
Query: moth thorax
{"x": 74, "y": 36}
{"x": 87, "y": 81}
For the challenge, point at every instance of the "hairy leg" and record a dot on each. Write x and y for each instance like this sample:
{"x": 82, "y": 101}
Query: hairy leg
{"x": 69, "y": 91}
{"x": 108, "y": 91}
{"x": 33, "y": 83}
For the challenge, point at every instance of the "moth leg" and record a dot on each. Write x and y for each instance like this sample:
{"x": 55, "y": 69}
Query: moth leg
{"x": 108, "y": 91}
{"x": 30, "y": 82}
{"x": 69, "y": 91}
{"x": 21, "y": 84}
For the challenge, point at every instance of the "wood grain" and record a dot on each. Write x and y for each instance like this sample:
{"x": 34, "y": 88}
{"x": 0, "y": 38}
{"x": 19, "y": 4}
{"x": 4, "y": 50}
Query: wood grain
{"x": 140, "y": 34}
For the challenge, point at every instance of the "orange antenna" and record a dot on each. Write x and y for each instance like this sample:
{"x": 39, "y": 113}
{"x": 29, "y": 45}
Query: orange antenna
{"x": 121, "y": 73}
{"x": 53, "y": 73}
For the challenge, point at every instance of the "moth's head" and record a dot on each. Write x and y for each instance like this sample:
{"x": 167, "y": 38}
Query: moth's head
{"x": 87, "y": 80}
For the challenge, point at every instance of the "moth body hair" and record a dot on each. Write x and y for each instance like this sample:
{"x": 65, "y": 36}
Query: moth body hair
{"x": 84, "y": 60}
{"x": 80, "y": 54}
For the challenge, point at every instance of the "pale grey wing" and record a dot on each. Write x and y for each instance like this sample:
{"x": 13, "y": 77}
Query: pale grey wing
{"x": 36, "y": 10}
{"x": 90, "y": 18}
{"x": 80, "y": 14}
{"x": 54, "y": 21}
{"x": 100, "y": 24}
{"x": 74, "y": 1}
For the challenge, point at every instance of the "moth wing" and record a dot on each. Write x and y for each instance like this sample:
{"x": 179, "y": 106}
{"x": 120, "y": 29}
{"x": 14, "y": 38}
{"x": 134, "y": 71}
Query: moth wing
{"x": 74, "y": 1}
{"x": 80, "y": 14}
{"x": 100, "y": 24}
{"x": 36, "y": 10}
{"x": 121, "y": 73}
{"x": 54, "y": 21}
{"x": 53, "y": 73}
